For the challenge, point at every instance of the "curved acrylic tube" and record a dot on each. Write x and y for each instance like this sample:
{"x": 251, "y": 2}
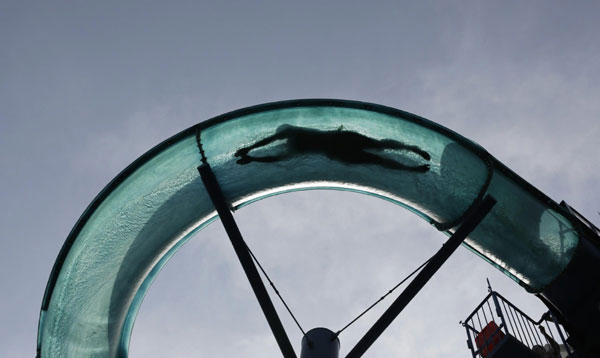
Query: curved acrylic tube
{"x": 141, "y": 218}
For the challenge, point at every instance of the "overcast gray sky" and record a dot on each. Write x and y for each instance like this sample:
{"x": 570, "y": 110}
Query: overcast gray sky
{"x": 87, "y": 87}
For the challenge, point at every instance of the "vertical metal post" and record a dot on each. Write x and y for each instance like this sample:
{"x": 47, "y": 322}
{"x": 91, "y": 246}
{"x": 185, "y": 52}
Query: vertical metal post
{"x": 218, "y": 199}
{"x": 472, "y": 219}
{"x": 562, "y": 337}
{"x": 498, "y": 309}
{"x": 469, "y": 341}
{"x": 320, "y": 343}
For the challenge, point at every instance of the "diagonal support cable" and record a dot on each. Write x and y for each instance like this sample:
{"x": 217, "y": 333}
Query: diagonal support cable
{"x": 216, "y": 195}
{"x": 276, "y": 291}
{"x": 382, "y": 297}
{"x": 474, "y": 216}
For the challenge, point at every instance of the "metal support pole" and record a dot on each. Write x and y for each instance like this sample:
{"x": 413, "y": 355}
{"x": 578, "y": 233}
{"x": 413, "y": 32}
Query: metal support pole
{"x": 320, "y": 343}
{"x": 216, "y": 195}
{"x": 472, "y": 219}
{"x": 499, "y": 312}
{"x": 469, "y": 342}
{"x": 562, "y": 337}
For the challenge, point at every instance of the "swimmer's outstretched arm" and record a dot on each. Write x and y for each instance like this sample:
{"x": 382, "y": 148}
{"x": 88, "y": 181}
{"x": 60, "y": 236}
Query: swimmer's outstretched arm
{"x": 277, "y": 136}
{"x": 245, "y": 159}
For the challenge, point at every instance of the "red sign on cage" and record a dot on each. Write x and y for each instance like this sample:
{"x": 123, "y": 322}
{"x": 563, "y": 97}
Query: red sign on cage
{"x": 489, "y": 337}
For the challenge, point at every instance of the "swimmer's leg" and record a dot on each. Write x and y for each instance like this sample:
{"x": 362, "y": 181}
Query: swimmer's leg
{"x": 370, "y": 158}
{"x": 394, "y": 144}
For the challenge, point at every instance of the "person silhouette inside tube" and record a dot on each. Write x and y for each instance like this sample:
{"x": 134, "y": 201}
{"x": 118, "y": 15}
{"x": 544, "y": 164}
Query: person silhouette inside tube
{"x": 341, "y": 145}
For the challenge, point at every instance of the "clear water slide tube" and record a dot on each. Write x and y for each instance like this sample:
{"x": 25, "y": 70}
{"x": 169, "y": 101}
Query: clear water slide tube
{"x": 157, "y": 203}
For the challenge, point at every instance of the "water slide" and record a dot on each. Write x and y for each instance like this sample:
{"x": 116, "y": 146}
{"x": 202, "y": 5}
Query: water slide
{"x": 142, "y": 217}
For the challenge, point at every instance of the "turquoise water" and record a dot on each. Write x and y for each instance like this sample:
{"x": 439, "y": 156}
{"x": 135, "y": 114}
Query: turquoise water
{"x": 159, "y": 202}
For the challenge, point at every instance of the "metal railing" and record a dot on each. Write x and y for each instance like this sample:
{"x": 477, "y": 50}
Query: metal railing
{"x": 546, "y": 333}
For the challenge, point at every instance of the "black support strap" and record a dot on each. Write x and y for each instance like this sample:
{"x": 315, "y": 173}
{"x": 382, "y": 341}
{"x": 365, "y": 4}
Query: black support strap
{"x": 474, "y": 216}
{"x": 216, "y": 195}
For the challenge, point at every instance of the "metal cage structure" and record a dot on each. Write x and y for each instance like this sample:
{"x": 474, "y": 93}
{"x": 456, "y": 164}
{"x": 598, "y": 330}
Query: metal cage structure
{"x": 497, "y": 328}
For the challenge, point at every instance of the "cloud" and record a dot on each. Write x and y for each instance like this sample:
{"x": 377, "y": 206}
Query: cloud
{"x": 520, "y": 79}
